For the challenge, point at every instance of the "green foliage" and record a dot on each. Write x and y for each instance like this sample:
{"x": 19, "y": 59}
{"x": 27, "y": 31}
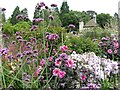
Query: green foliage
{"x": 82, "y": 45}
{"x": 106, "y": 85}
{"x": 103, "y": 20}
{"x": 16, "y": 12}
{"x": 96, "y": 33}
{"x": 36, "y": 13}
{"x": 64, "y": 8}
{"x": 24, "y": 12}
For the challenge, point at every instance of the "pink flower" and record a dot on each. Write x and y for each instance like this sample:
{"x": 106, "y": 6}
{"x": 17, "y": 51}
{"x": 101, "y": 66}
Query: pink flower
{"x": 63, "y": 48}
{"x": 54, "y": 51}
{"x": 56, "y": 71}
{"x": 42, "y": 62}
{"x": 116, "y": 45}
{"x": 51, "y": 59}
{"x": 57, "y": 63}
{"x": 109, "y": 51}
{"x": 115, "y": 51}
{"x": 70, "y": 63}
{"x": 83, "y": 77}
{"x": 62, "y": 74}
{"x": 37, "y": 71}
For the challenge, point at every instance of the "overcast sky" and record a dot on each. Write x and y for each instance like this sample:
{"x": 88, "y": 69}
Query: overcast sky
{"x": 100, "y": 6}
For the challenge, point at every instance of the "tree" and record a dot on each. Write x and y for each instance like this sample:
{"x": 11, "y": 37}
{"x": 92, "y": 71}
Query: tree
{"x": 16, "y": 12}
{"x": 3, "y": 17}
{"x": 37, "y": 11}
{"x": 103, "y": 20}
{"x": 64, "y": 8}
{"x": 24, "y": 12}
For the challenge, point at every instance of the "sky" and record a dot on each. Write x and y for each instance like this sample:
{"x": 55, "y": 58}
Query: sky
{"x": 100, "y": 6}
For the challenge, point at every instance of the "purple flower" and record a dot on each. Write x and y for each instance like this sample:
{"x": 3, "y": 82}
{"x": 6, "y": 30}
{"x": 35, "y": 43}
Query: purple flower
{"x": 17, "y": 33}
{"x": 34, "y": 28}
{"x": 42, "y": 4}
{"x": 46, "y": 7}
{"x": 3, "y": 9}
{"x": 4, "y": 35}
{"x": 64, "y": 56}
{"x": 71, "y": 26}
{"x": 52, "y": 37}
{"x": 51, "y": 17}
{"x": 20, "y": 55}
{"x": 10, "y": 57}
{"x": 53, "y": 5}
{"x": 27, "y": 79}
{"x": 19, "y": 37}
{"x": 19, "y": 17}
{"x": 38, "y": 20}
{"x": 4, "y": 51}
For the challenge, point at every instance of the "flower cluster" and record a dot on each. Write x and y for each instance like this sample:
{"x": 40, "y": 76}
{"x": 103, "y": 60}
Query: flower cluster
{"x": 98, "y": 68}
{"x": 52, "y": 37}
{"x": 109, "y": 46}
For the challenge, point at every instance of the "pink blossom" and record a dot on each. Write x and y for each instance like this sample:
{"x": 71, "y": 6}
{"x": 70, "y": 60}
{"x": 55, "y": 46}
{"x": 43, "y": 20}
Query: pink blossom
{"x": 70, "y": 63}
{"x": 115, "y": 51}
{"x": 56, "y": 71}
{"x": 57, "y": 63}
{"x": 63, "y": 48}
{"x": 51, "y": 59}
{"x": 83, "y": 77}
{"x": 116, "y": 45}
{"x": 109, "y": 51}
{"x": 42, "y": 62}
{"x": 62, "y": 74}
{"x": 37, "y": 71}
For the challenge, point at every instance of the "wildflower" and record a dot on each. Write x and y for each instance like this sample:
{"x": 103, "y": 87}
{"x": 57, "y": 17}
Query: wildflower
{"x": 52, "y": 37}
{"x": 63, "y": 56}
{"x": 37, "y": 71}
{"x": 83, "y": 77}
{"x": 57, "y": 63}
{"x": 46, "y": 7}
{"x": 42, "y": 4}
{"x": 19, "y": 37}
{"x": 51, "y": 17}
{"x": 104, "y": 39}
{"x": 54, "y": 51}
{"x": 109, "y": 51}
{"x": 51, "y": 59}
{"x": 34, "y": 28}
{"x": 56, "y": 71}
{"x": 116, "y": 44}
{"x": 70, "y": 63}
{"x": 38, "y": 20}
{"x": 42, "y": 62}
{"x": 63, "y": 48}
{"x": 53, "y": 5}
{"x": 3, "y": 9}
{"x": 17, "y": 33}
{"x": 115, "y": 51}
{"x": 71, "y": 26}
{"x": 62, "y": 74}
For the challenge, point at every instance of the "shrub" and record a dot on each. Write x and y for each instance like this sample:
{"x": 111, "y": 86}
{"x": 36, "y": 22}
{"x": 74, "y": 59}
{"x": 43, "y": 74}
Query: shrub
{"x": 82, "y": 45}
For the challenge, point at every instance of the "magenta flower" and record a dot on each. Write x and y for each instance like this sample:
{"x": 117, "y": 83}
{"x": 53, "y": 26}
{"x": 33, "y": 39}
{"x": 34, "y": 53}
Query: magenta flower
{"x": 53, "y": 5}
{"x": 62, "y": 74}
{"x": 56, "y": 71}
{"x": 116, "y": 44}
{"x": 51, "y": 59}
{"x": 34, "y": 28}
{"x": 57, "y": 63}
{"x": 71, "y": 26}
{"x": 70, "y": 63}
{"x": 109, "y": 51}
{"x": 83, "y": 77}
{"x": 37, "y": 71}
{"x": 63, "y": 48}
{"x": 115, "y": 51}
{"x": 42, "y": 62}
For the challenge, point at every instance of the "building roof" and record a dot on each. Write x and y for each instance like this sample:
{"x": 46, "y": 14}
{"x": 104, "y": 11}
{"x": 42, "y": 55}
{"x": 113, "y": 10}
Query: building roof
{"x": 91, "y": 23}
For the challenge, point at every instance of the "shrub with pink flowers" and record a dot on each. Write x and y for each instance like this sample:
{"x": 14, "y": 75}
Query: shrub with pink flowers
{"x": 110, "y": 47}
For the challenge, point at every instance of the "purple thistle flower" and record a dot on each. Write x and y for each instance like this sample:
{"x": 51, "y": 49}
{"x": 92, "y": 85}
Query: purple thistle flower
{"x": 3, "y": 9}
{"x": 10, "y": 57}
{"x": 20, "y": 55}
{"x": 27, "y": 79}
{"x": 38, "y": 20}
{"x": 29, "y": 76}
{"x": 71, "y": 26}
{"x": 19, "y": 17}
{"x": 4, "y": 51}
{"x": 51, "y": 17}
{"x": 53, "y": 5}
{"x": 52, "y": 37}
